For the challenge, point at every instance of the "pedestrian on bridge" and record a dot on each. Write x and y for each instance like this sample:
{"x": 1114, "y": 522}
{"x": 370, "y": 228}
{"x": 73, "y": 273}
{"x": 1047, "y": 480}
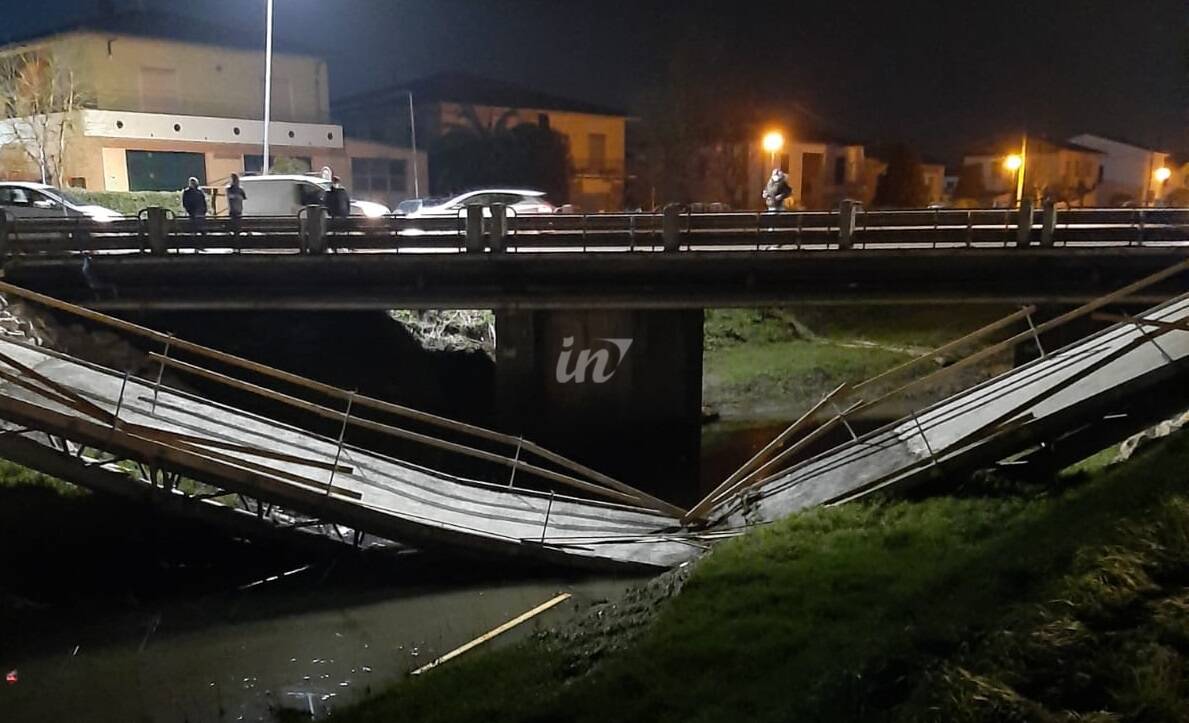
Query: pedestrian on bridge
{"x": 235, "y": 202}
{"x": 194, "y": 200}
{"x": 777, "y": 190}
{"x": 338, "y": 202}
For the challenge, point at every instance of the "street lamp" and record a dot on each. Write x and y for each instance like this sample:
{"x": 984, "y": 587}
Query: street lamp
{"x": 267, "y": 84}
{"x": 772, "y": 142}
{"x": 1016, "y": 163}
{"x": 1162, "y": 174}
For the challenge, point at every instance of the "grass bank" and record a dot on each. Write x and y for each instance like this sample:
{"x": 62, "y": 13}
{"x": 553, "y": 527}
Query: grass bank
{"x": 772, "y": 364}
{"x": 904, "y": 611}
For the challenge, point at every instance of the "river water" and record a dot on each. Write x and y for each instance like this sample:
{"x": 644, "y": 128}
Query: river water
{"x": 191, "y": 634}
{"x": 297, "y": 643}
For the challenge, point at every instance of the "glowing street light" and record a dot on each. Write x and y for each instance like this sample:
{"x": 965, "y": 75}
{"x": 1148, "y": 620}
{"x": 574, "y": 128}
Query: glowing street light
{"x": 1162, "y": 174}
{"x": 772, "y": 142}
{"x": 1013, "y": 162}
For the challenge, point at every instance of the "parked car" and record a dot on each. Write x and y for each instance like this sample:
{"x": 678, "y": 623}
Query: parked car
{"x": 286, "y": 195}
{"x": 521, "y": 201}
{"x": 22, "y": 199}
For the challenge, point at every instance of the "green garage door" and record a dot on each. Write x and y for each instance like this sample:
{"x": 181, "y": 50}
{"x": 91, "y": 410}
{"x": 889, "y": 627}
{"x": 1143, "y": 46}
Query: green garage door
{"x": 164, "y": 170}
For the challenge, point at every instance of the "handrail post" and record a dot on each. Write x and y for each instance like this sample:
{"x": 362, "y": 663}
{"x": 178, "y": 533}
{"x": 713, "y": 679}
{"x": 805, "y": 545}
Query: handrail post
{"x": 115, "y": 418}
{"x": 5, "y": 219}
{"x": 516, "y": 461}
{"x": 1035, "y": 335}
{"x": 155, "y": 223}
{"x": 342, "y": 435}
{"x": 312, "y": 228}
{"x": 161, "y": 372}
{"x": 847, "y": 211}
{"x": 474, "y": 235}
{"x": 1048, "y": 223}
{"x": 671, "y": 228}
{"x": 1024, "y": 224}
{"x": 499, "y": 227}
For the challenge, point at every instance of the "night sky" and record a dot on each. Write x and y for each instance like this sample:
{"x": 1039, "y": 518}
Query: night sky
{"x": 942, "y": 75}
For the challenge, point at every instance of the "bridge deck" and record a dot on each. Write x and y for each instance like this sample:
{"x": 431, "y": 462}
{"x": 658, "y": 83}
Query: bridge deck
{"x": 1119, "y": 370}
{"x": 290, "y": 467}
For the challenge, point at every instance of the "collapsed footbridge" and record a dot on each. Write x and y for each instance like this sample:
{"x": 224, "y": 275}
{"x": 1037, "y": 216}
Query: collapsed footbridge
{"x": 150, "y": 439}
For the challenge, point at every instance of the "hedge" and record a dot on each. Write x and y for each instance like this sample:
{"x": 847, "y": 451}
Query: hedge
{"x": 128, "y": 203}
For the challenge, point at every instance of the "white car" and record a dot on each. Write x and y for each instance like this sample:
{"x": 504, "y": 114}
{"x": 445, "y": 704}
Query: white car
{"x": 286, "y": 195}
{"x": 519, "y": 201}
{"x": 22, "y": 199}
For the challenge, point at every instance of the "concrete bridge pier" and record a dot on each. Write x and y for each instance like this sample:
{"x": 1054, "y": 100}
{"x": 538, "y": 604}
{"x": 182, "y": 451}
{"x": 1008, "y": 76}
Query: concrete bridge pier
{"x": 617, "y": 389}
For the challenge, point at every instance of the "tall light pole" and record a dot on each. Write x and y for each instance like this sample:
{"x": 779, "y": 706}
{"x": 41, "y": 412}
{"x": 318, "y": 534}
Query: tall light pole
{"x": 1023, "y": 169}
{"x": 267, "y": 85}
{"x": 413, "y": 138}
{"x": 1018, "y": 163}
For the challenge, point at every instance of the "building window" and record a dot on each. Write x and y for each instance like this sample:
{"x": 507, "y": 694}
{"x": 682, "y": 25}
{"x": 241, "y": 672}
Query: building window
{"x": 78, "y": 182}
{"x": 163, "y": 171}
{"x": 281, "y": 164}
{"x": 378, "y": 177}
{"x": 596, "y": 144}
{"x": 840, "y": 170}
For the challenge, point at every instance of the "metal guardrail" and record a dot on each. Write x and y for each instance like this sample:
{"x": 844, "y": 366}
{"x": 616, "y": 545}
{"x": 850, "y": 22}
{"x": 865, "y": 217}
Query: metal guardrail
{"x": 497, "y": 230}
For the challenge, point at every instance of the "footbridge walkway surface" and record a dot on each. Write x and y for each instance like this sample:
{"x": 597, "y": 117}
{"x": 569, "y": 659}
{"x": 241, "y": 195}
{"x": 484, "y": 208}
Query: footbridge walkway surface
{"x": 145, "y": 439}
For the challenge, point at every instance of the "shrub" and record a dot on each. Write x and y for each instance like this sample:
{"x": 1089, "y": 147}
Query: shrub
{"x": 128, "y": 203}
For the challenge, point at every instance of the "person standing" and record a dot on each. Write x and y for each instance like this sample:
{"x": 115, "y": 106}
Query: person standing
{"x": 235, "y": 202}
{"x": 338, "y": 202}
{"x": 194, "y": 200}
{"x": 777, "y": 190}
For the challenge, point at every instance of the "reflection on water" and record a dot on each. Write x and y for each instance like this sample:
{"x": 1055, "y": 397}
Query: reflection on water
{"x": 234, "y": 657}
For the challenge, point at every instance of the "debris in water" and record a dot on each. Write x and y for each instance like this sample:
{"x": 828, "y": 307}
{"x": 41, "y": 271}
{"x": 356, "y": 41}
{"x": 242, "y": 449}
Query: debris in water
{"x": 11, "y": 678}
{"x": 366, "y": 669}
{"x": 345, "y": 684}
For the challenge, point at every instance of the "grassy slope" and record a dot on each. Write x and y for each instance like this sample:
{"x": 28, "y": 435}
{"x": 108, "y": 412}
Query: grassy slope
{"x": 777, "y": 362}
{"x": 839, "y": 614}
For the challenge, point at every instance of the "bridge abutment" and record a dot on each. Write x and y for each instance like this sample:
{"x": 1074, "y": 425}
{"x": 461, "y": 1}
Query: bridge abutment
{"x": 617, "y": 389}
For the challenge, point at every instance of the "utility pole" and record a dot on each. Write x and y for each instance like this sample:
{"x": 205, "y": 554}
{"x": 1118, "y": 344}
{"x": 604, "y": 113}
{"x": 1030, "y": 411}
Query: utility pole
{"x": 413, "y": 135}
{"x": 1023, "y": 169}
{"x": 267, "y": 85}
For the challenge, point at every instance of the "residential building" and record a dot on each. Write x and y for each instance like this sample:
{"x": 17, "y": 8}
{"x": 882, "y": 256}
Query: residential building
{"x": 168, "y": 97}
{"x": 1128, "y": 171}
{"x": 458, "y": 101}
{"x": 1062, "y": 170}
{"x": 937, "y": 185}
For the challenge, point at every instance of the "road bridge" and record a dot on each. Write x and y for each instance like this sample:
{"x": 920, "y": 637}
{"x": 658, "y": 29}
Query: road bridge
{"x": 573, "y": 291}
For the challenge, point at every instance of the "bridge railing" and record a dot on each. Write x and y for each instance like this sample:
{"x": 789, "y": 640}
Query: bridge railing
{"x": 674, "y": 231}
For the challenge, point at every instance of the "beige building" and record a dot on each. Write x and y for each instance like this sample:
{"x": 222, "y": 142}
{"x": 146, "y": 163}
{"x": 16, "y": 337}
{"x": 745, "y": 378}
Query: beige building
{"x": 456, "y": 101}
{"x": 161, "y": 109}
{"x": 1062, "y": 170}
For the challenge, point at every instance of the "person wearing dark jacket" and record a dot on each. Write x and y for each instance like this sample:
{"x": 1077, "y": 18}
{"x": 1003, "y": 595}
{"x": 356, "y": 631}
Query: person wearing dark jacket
{"x": 777, "y": 190}
{"x": 235, "y": 202}
{"x": 338, "y": 202}
{"x": 194, "y": 200}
